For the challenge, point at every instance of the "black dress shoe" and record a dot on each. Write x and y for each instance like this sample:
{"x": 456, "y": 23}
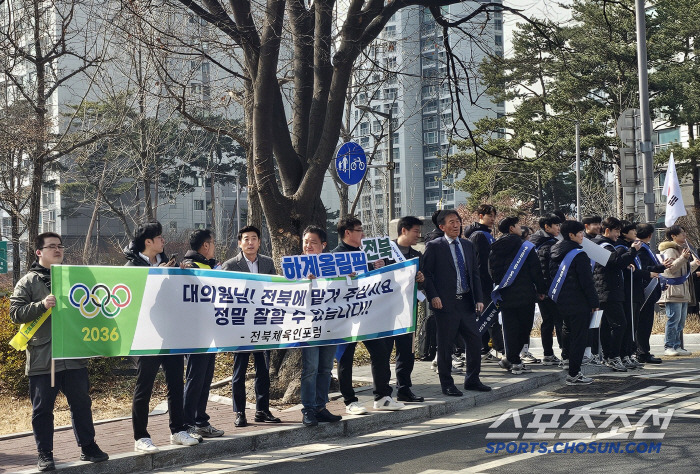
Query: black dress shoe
{"x": 408, "y": 396}
{"x": 309, "y": 419}
{"x": 266, "y": 417}
{"x": 479, "y": 387}
{"x": 93, "y": 453}
{"x": 326, "y": 416}
{"x": 45, "y": 462}
{"x": 452, "y": 391}
{"x": 240, "y": 420}
{"x": 649, "y": 359}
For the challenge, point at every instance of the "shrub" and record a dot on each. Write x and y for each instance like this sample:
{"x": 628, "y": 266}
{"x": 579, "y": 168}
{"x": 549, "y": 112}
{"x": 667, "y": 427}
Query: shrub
{"x": 12, "y": 362}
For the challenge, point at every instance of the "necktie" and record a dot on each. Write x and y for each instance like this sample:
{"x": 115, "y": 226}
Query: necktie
{"x": 460, "y": 264}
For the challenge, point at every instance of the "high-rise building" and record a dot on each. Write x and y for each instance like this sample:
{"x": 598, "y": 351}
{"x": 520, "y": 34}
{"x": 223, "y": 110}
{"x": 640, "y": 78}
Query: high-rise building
{"x": 407, "y": 77}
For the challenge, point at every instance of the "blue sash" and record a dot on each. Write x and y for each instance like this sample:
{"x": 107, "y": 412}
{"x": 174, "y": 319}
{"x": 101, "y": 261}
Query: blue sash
{"x": 558, "y": 281}
{"x": 637, "y": 262}
{"x": 676, "y": 281}
{"x": 651, "y": 254}
{"x": 512, "y": 271}
{"x": 487, "y": 318}
{"x": 548, "y": 240}
{"x": 488, "y": 236}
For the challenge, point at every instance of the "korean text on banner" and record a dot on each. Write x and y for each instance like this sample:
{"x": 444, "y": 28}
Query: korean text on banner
{"x": 121, "y": 311}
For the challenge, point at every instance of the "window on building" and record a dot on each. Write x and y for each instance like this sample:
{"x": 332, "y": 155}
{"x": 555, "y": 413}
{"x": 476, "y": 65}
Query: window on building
{"x": 199, "y": 204}
{"x": 431, "y": 182}
{"x": 397, "y": 166}
{"x": 430, "y": 123}
{"x": 397, "y": 154}
{"x": 390, "y": 94}
{"x": 498, "y": 24}
{"x": 430, "y": 107}
{"x": 378, "y": 199}
{"x": 173, "y": 226}
{"x": 376, "y": 126}
{"x": 391, "y": 46}
{"x": 364, "y": 128}
{"x": 390, "y": 62}
{"x": 432, "y": 196}
{"x": 430, "y": 138}
{"x": 396, "y": 138}
{"x": 499, "y": 40}
{"x": 364, "y": 142}
{"x": 390, "y": 31}
{"x": 670, "y": 135}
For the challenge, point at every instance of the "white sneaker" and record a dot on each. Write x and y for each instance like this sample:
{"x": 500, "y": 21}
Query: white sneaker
{"x": 671, "y": 352}
{"x": 183, "y": 438}
{"x": 355, "y": 409}
{"x": 433, "y": 364}
{"x": 387, "y": 403}
{"x": 145, "y": 445}
{"x": 683, "y": 352}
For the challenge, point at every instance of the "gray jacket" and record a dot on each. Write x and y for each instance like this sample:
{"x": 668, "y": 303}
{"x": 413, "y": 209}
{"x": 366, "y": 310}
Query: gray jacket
{"x": 26, "y": 306}
{"x": 266, "y": 265}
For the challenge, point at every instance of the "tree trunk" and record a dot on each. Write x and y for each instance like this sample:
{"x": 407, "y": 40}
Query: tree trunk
{"x": 540, "y": 195}
{"x": 16, "y": 235}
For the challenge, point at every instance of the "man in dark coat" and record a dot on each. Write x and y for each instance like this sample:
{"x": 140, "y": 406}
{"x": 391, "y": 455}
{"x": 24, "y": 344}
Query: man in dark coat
{"x": 518, "y": 299}
{"x": 551, "y": 319}
{"x": 576, "y": 299}
{"x": 480, "y": 234}
{"x": 454, "y": 290}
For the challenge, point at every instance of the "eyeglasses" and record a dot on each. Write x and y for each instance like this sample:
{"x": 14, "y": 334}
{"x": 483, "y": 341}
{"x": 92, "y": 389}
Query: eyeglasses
{"x": 357, "y": 230}
{"x": 53, "y": 247}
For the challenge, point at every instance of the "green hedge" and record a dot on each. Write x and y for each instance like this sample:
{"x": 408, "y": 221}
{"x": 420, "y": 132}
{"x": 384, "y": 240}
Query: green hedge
{"x": 12, "y": 362}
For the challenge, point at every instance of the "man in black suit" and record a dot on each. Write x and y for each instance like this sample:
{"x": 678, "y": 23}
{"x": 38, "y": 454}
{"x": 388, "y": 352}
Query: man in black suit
{"x": 454, "y": 289}
{"x": 250, "y": 261}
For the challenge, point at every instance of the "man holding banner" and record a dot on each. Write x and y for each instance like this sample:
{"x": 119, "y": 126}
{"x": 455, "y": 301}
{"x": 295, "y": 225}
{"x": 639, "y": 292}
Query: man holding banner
{"x": 30, "y": 305}
{"x": 513, "y": 263}
{"x": 147, "y": 250}
{"x": 200, "y": 367}
{"x": 573, "y": 290}
{"x": 249, "y": 260}
{"x": 454, "y": 289}
{"x": 351, "y": 233}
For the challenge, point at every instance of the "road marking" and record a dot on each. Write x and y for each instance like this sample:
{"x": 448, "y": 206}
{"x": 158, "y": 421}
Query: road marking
{"x": 663, "y": 374}
{"x": 620, "y": 398}
{"x": 658, "y": 398}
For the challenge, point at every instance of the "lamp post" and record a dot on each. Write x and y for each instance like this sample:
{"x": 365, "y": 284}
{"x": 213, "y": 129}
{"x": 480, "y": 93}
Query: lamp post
{"x": 578, "y": 165}
{"x": 390, "y": 164}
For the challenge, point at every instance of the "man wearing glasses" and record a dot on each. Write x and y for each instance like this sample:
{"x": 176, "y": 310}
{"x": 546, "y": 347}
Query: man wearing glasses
{"x": 351, "y": 234}
{"x": 30, "y": 300}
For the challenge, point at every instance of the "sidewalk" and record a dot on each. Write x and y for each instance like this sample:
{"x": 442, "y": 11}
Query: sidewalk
{"x": 18, "y": 452}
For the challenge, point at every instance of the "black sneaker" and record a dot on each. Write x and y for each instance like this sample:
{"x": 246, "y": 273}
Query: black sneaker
{"x": 45, "y": 462}
{"x": 326, "y": 416}
{"x": 93, "y": 453}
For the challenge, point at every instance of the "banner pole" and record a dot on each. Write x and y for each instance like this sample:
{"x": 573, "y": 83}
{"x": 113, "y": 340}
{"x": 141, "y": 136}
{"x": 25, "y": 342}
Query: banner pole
{"x": 53, "y": 372}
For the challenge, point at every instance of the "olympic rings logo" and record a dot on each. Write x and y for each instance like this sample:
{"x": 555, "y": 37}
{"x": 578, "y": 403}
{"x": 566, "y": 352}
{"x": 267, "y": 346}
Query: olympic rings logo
{"x": 100, "y": 298}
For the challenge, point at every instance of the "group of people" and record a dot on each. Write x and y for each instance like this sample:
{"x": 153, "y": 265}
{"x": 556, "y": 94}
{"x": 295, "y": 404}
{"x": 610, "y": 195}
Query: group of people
{"x": 461, "y": 277}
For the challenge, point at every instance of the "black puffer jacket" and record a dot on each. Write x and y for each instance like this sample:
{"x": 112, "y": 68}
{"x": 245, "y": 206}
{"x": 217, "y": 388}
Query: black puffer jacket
{"x": 436, "y": 233}
{"x": 135, "y": 260}
{"x": 475, "y": 234}
{"x": 609, "y": 281}
{"x": 193, "y": 256}
{"x": 578, "y": 291}
{"x": 651, "y": 264}
{"x": 529, "y": 281}
{"x": 622, "y": 246}
{"x": 544, "y": 241}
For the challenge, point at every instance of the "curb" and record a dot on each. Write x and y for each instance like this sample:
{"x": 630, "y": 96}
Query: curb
{"x": 297, "y": 434}
{"x": 654, "y": 340}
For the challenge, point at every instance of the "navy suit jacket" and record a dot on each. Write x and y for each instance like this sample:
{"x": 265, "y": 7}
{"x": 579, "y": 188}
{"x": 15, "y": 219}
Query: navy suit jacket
{"x": 441, "y": 275}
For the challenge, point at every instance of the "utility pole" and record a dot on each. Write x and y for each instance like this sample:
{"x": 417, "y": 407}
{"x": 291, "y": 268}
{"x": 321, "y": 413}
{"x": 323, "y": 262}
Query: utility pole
{"x": 578, "y": 171}
{"x": 645, "y": 146}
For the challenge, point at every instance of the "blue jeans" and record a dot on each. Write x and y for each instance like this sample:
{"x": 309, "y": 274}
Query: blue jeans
{"x": 676, "y": 314}
{"x": 316, "y": 366}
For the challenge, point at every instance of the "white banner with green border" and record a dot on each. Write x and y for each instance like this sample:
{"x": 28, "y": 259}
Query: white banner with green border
{"x": 126, "y": 311}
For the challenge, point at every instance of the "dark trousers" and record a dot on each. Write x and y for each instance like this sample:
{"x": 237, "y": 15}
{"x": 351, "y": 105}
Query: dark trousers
{"x": 198, "y": 377}
{"x": 146, "y": 371}
{"x": 460, "y": 321}
{"x": 495, "y": 332}
{"x": 629, "y": 340}
{"x": 551, "y": 321}
{"x": 405, "y": 359}
{"x": 612, "y": 328}
{"x": 594, "y": 340}
{"x": 427, "y": 338}
{"x": 379, "y": 363}
{"x": 517, "y": 325}
{"x": 75, "y": 386}
{"x": 574, "y": 334}
{"x": 646, "y": 321}
{"x": 262, "y": 380}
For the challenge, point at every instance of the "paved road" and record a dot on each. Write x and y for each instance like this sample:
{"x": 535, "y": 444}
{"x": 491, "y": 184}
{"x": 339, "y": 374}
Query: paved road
{"x": 467, "y": 442}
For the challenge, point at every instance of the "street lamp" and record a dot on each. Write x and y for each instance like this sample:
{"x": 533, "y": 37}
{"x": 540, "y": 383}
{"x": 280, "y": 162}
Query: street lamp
{"x": 390, "y": 164}
{"x": 578, "y": 166}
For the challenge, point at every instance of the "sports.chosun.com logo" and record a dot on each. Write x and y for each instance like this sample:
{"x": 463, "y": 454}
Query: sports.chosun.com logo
{"x": 100, "y": 298}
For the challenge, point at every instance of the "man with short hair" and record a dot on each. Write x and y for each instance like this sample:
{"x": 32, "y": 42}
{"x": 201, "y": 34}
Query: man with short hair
{"x": 408, "y": 234}
{"x": 250, "y": 261}
{"x": 30, "y": 300}
{"x": 480, "y": 234}
{"x": 544, "y": 239}
{"x": 454, "y": 289}
{"x": 510, "y": 255}
{"x": 200, "y": 367}
{"x": 147, "y": 250}
{"x": 350, "y": 234}
{"x": 650, "y": 263}
{"x": 592, "y": 226}
{"x": 610, "y": 285}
